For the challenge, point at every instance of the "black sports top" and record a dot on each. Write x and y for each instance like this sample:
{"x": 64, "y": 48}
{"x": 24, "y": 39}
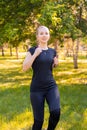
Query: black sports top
{"x": 42, "y": 78}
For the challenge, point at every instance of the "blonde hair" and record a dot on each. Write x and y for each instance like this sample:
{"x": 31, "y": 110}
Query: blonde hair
{"x": 40, "y": 28}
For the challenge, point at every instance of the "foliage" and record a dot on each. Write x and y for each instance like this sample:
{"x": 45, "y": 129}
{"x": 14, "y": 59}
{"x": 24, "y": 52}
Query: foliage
{"x": 79, "y": 8}
{"x": 62, "y": 17}
{"x": 20, "y": 19}
{"x": 2, "y": 38}
{"x": 13, "y": 16}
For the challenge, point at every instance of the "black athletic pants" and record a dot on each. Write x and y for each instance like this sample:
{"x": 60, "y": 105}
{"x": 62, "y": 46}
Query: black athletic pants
{"x": 53, "y": 101}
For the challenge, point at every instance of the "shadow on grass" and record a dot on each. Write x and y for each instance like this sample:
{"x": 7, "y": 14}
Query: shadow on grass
{"x": 8, "y": 57}
{"x": 15, "y": 101}
{"x": 14, "y": 75}
{"x": 73, "y": 106}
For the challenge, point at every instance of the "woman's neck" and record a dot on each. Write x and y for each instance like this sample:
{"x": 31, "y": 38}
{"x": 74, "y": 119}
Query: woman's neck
{"x": 43, "y": 46}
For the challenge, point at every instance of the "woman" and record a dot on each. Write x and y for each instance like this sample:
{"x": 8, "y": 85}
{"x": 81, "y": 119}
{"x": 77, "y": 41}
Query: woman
{"x": 43, "y": 86}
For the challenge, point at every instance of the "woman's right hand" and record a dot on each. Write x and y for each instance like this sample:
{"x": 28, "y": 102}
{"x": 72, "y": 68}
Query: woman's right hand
{"x": 30, "y": 58}
{"x": 37, "y": 51}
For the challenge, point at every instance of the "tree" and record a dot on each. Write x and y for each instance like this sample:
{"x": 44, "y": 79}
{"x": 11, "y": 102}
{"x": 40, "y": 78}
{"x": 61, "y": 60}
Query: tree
{"x": 62, "y": 19}
{"x": 59, "y": 18}
{"x": 65, "y": 18}
{"x": 78, "y": 9}
{"x": 13, "y": 17}
{"x": 2, "y": 40}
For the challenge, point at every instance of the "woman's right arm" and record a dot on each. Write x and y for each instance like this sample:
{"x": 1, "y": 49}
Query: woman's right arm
{"x": 29, "y": 59}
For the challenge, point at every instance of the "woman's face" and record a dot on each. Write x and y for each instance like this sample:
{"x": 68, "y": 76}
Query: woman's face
{"x": 43, "y": 35}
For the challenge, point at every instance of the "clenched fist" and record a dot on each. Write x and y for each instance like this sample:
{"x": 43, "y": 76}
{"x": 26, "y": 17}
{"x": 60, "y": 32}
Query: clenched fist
{"x": 37, "y": 51}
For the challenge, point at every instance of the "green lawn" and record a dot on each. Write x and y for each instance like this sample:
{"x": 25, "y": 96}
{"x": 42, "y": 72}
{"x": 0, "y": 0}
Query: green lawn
{"x": 15, "y": 107}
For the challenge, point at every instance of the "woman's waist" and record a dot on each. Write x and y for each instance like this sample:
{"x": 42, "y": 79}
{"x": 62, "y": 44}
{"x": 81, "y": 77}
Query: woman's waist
{"x": 39, "y": 86}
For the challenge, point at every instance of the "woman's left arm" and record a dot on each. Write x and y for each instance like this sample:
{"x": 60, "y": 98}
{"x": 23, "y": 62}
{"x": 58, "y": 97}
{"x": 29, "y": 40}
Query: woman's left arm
{"x": 55, "y": 61}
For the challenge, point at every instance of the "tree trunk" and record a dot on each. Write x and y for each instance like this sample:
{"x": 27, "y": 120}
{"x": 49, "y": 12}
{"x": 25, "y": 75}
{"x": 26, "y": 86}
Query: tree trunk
{"x": 2, "y": 51}
{"x": 17, "y": 52}
{"x": 75, "y": 53}
{"x": 10, "y": 50}
{"x": 75, "y": 61}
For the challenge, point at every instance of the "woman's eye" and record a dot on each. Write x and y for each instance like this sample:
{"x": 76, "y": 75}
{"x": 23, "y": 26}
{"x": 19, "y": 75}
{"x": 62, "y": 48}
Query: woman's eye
{"x": 41, "y": 33}
{"x": 46, "y": 33}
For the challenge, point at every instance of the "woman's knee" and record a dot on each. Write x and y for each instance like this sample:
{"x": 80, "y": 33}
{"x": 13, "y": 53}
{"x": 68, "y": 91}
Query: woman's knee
{"x": 55, "y": 114}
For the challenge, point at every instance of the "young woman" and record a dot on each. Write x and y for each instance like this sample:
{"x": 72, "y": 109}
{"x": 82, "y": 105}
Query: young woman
{"x": 43, "y": 86}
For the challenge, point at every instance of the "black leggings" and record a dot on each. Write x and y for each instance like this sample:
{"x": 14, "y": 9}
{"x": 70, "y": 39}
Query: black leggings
{"x": 53, "y": 101}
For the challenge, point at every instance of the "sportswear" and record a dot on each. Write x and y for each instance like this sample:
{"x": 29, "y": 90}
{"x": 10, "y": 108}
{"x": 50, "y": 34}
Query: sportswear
{"x": 42, "y": 78}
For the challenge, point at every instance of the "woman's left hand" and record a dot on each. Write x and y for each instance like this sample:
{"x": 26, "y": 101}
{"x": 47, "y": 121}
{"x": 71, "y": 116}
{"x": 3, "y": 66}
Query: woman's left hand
{"x": 55, "y": 63}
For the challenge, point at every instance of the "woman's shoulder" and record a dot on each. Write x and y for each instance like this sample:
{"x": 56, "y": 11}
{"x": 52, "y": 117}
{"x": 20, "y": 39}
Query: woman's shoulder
{"x": 32, "y": 49}
{"x": 51, "y": 49}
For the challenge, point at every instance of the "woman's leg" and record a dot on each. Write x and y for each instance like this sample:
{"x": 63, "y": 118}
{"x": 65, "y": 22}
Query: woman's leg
{"x": 53, "y": 119}
{"x": 37, "y": 102}
{"x": 53, "y": 101}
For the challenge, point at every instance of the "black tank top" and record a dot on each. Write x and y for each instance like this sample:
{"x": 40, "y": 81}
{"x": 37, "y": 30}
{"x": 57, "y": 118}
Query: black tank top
{"x": 42, "y": 78}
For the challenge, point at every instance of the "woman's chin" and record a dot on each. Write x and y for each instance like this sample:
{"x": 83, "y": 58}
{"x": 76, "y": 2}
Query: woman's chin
{"x": 44, "y": 41}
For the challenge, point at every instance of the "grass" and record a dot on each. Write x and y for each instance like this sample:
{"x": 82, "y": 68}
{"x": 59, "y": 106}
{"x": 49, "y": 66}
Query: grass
{"x": 15, "y": 106}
